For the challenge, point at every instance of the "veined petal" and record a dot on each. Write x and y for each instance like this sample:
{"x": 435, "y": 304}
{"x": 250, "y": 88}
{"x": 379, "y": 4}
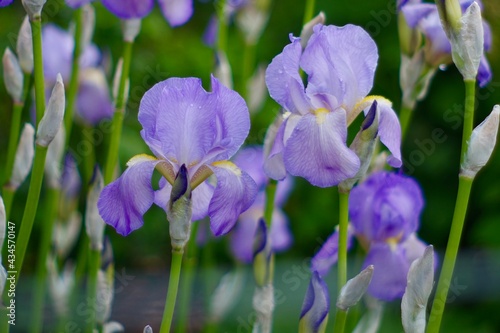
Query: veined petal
{"x": 314, "y": 313}
{"x": 327, "y": 256}
{"x": 200, "y": 199}
{"x": 340, "y": 61}
{"x": 317, "y": 150}
{"x": 274, "y": 166}
{"x": 284, "y": 82}
{"x": 123, "y": 202}
{"x": 128, "y": 9}
{"x": 177, "y": 12}
{"x": 235, "y": 192}
{"x": 391, "y": 268}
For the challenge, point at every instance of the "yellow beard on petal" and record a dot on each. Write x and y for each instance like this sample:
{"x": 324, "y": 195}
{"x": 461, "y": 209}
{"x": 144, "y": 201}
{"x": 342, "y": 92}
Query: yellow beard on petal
{"x": 229, "y": 166}
{"x": 320, "y": 115}
{"x": 363, "y": 104}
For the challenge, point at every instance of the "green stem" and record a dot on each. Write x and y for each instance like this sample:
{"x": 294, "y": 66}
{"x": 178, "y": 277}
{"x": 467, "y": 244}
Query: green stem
{"x": 75, "y": 69}
{"x": 4, "y": 321}
{"x": 173, "y": 285}
{"x": 8, "y": 198}
{"x": 41, "y": 266}
{"x": 190, "y": 261}
{"x": 15, "y": 127}
{"x": 36, "y": 30}
{"x": 116, "y": 126}
{"x": 404, "y": 119}
{"x": 222, "y": 32}
{"x": 470, "y": 98}
{"x": 309, "y": 11}
{"x": 340, "y": 320}
{"x": 94, "y": 265}
{"x": 464, "y": 188}
{"x": 342, "y": 251}
{"x": 80, "y": 269}
{"x": 31, "y": 207}
{"x": 89, "y": 158}
{"x": 270, "y": 195}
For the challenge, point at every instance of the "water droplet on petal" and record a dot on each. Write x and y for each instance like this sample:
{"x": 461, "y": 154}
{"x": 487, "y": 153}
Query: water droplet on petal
{"x": 442, "y": 67}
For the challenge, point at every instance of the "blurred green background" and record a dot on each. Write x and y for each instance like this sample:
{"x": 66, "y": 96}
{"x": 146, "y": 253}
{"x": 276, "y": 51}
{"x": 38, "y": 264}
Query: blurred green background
{"x": 162, "y": 52}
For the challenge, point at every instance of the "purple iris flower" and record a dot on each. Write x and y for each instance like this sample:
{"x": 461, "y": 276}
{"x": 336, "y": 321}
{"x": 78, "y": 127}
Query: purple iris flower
{"x": 251, "y": 159}
{"x": 93, "y": 100}
{"x": 384, "y": 212}
{"x": 5, "y": 3}
{"x": 311, "y": 142}
{"x": 316, "y": 305}
{"x": 185, "y": 125}
{"x": 177, "y": 12}
{"x": 425, "y": 16}
{"x": 77, "y": 3}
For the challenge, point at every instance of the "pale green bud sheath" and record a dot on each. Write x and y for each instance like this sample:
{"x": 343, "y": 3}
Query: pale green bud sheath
{"x": 33, "y": 7}
{"x": 52, "y": 120}
{"x": 12, "y": 75}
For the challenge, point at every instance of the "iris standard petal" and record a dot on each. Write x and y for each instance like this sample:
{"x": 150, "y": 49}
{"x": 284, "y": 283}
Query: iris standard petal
{"x": 93, "y": 103}
{"x": 128, "y": 9}
{"x": 390, "y": 132}
{"x": 177, "y": 12}
{"x": 284, "y": 82}
{"x": 327, "y": 256}
{"x": 317, "y": 150}
{"x": 200, "y": 199}
{"x": 340, "y": 61}
{"x": 391, "y": 267}
{"x": 235, "y": 192}
{"x": 123, "y": 202}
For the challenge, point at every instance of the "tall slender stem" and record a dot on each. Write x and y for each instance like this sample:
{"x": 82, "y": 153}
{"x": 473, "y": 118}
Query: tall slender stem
{"x": 343, "y": 225}
{"x": 404, "y": 119}
{"x": 94, "y": 265}
{"x": 116, "y": 126}
{"x": 36, "y": 29}
{"x": 75, "y": 70}
{"x": 173, "y": 286}
{"x": 8, "y": 197}
{"x": 222, "y": 32}
{"x": 450, "y": 257}
{"x": 270, "y": 195}
{"x": 309, "y": 10}
{"x": 89, "y": 160}
{"x": 41, "y": 266}
{"x": 31, "y": 207}
{"x": 340, "y": 320}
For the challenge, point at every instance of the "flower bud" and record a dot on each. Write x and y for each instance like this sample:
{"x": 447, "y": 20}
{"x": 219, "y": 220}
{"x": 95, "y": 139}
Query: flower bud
{"x": 467, "y": 43}
{"x": 307, "y": 30}
{"x": 450, "y": 13}
{"x": 112, "y": 327}
{"x": 52, "y": 119}
{"x": 262, "y": 258}
{"x": 418, "y": 290}
{"x": 225, "y": 295}
{"x": 354, "y": 289}
{"x": 65, "y": 234}
{"x": 263, "y": 304}
{"x": 54, "y": 160}
{"x": 257, "y": 90}
{"x": 223, "y": 70}
{"x": 364, "y": 145}
{"x": 410, "y": 40}
{"x": 180, "y": 210}
{"x": 13, "y": 76}
{"x": 147, "y": 329}
{"x": 94, "y": 224}
{"x": 60, "y": 286}
{"x": 33, "y": 7}
{"x": 131, "y": 29}
{"x": 88, "y": 25}
{"x": 252, "y": 20}
{"x": 314, "y": 314}
{"x": 24, "y": 47}
{"x": 414, "y": 78}
{"x": 481, "y": 144}
{"x": 24, "y": 157}
{"x": 105, "y": 294}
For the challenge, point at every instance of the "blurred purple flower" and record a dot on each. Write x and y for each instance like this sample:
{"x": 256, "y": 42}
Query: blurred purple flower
{"x": 93, "y": 102}
{"x": 314, "y": 313}
{"x": 177, "y": 12}
{"x": 384, "y": 212}
{"x": 251, "y": 160}
{"x": 5, "y": 3}
{"x": 185, "y": 125}
{"x": 77, "y": 3}
{"x": 311, "y": 142}
{"x": 425, "y": 16}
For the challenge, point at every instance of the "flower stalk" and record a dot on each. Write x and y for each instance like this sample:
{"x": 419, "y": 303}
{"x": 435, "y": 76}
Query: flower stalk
{"x": 36, "y": 30}
{"x": 173, "y": 285}
{"x": 343, "y": 226}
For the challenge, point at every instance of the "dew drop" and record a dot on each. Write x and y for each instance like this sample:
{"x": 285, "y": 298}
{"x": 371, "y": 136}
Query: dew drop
{"x": 442, "y": 67}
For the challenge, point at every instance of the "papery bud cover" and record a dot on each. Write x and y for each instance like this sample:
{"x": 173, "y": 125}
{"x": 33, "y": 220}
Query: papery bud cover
{"x": 54, "y": 114}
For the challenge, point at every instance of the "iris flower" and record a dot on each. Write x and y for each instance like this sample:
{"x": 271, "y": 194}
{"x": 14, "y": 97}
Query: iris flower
{"x": 384, "y": 212}
{"x": 177, "y": 12}
{"x": 425, "y": 16}
{"x": 340, "y": 65}
{"x": 5, "y": 3}
{"x": 185, "y": 125}
{"x": 251, "y": 159}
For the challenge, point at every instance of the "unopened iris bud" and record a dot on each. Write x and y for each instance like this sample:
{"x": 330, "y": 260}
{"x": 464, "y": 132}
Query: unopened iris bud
{"x": 12, "y": 75}
{"x": 450, "y": 13}
{"x": 88, "y": 25}
{"x": 410, "y": 39}
{"x": 24, "y": 47}
{"x": 24, "y": 157}
{"x": 468, "y": 42}
{"x": 116, "y": 81}
{"x": 225, "y": 295}
{"x": 52, "y": 119}
{"x": 60, "y": 286}
{"x": 65, "y": 234}
{"x": 131, "y": 29}
{"x": 364, "y": 145}
{"x": 481, "y": 144}
{"x": 354, "y": 289}
{"x": 54, "y": 160}
{"x": 418, "y": 290}
{"x": 223, "y": 70}
{"x": 314, "y": 314}
{"x": 94, "y": 224}
{"x": 147, "y": 329}
{"x": 105, "y": 294}
{"x": 33, "y": 7}
{"x": 180, "y": 210}
{"x": 307, "y": 30}
{"x": 262, "y": 266}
